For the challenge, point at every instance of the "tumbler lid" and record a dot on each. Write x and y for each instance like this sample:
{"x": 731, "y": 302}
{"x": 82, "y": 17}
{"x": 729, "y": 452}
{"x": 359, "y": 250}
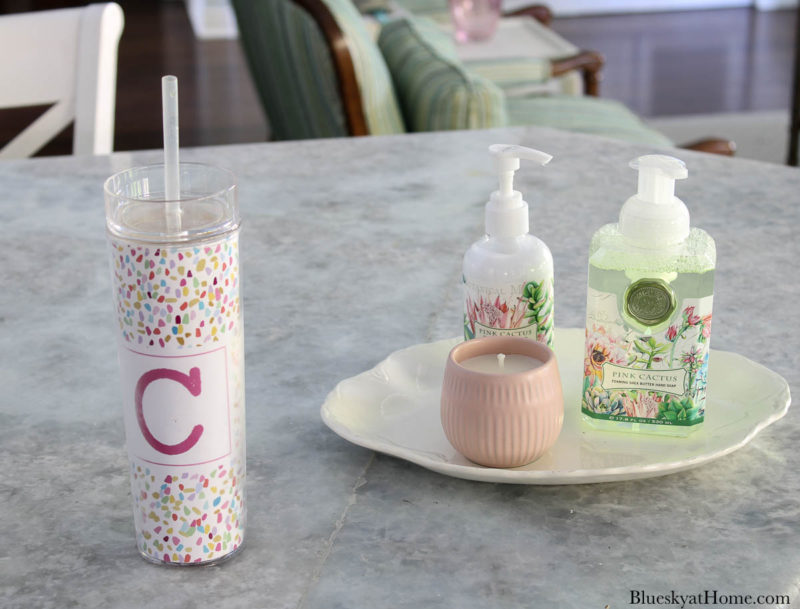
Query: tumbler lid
{"x": 136, "y": 204}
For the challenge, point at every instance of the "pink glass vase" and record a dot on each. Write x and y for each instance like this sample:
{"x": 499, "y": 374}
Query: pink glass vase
{"x": 474, "y": 19}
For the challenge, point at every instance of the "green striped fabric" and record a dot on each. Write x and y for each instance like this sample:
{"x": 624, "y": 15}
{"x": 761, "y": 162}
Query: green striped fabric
{"x": 291, "y": 69}
{"x": 436, "y": 92}
{"x": 294, "y": 73}
{"x": 381, "y": 109}
{"x": 365, "y": 7}
{"x": 441, "y": 41}
{"x": 511, "y": 73}
{"x": 592, "y": 115}
{"x": 437, "y": 10}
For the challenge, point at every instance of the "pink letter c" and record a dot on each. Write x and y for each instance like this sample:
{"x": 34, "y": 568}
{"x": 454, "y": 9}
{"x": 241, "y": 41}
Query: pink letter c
{"x": 192, "y": 383}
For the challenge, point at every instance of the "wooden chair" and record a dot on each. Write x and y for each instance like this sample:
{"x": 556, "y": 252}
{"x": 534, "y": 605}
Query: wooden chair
{"x": 67, "y": 58}
{"x": 588, "y": 63}
{"x": 336, "y": 107}
{"x": 260, "y": 45}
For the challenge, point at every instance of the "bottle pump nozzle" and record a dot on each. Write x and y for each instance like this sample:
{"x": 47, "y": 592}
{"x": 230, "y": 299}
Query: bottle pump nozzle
{"x": 657, "y": 175}
{"x": 506, "y": 212}
{"x": 655, "y": 216}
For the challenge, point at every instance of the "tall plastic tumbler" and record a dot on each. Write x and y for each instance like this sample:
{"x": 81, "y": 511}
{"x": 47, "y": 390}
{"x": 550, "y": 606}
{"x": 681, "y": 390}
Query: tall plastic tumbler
{"x": 175, "y": 276}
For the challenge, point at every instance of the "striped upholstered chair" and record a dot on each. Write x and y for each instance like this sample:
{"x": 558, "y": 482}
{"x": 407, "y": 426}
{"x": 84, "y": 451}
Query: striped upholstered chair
{"x": 317, "y": 69}
{"x": 320, "y": 73}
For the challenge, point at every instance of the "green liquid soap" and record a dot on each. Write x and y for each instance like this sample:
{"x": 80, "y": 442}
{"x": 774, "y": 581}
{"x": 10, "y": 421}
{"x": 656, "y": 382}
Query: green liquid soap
{"x": 648, "y": 323}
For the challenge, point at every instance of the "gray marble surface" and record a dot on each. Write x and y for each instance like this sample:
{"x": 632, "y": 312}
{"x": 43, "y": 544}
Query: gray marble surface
{"x": 351, "y": 250}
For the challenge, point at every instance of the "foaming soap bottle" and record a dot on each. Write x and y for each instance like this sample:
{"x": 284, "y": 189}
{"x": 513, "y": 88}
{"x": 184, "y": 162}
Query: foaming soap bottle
{"x": 648, "y": 311}
{"x": 508, "y": 274}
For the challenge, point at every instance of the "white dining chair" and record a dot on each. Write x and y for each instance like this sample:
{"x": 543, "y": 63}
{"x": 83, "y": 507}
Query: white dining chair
{"x": 64, "y": 57}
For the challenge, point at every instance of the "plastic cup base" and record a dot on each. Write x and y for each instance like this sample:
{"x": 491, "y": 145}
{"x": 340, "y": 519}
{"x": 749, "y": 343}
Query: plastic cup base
{"x": 206, "y": 563}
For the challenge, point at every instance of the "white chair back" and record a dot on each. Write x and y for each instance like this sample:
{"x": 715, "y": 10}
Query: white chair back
{"x": 68, "y": 58}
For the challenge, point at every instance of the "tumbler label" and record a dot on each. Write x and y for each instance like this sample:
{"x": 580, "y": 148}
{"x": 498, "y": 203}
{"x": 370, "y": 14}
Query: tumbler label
{"x": 177, "y": 410}
{"x": 181, "y": 351}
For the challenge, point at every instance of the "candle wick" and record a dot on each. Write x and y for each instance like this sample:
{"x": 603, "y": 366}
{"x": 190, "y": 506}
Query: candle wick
{"x": 501, "y": 360}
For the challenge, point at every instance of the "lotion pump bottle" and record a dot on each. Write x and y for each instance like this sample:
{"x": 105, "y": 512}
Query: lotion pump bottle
{"x": 508, "y": 274}
{"x": 648, "y": 311}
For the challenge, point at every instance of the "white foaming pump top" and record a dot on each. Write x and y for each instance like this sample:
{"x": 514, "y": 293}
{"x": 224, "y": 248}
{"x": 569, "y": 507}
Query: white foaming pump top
{"x": 506, "y": 211}
{"x": 655, "y": 217}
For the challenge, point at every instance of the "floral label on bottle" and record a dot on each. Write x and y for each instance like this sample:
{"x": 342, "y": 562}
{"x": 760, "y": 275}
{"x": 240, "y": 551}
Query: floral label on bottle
{"x": 656, "y": 378}
{"x": 512, "y": 310}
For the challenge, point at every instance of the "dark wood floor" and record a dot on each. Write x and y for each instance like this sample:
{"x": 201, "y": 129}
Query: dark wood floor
{"x": 730, "y": 60}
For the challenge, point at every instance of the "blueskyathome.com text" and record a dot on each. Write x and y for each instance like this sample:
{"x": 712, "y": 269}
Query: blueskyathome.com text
{"x": 707, "y": 598}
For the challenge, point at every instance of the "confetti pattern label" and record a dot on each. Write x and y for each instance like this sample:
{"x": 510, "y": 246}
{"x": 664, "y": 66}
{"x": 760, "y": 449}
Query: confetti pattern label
{"x": 187, "y": 516}
{"x": 176, "y": 297}
{"x": 182, "y": 360}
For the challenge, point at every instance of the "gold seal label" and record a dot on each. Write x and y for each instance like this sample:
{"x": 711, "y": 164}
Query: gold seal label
{"x": 650, "y": 301}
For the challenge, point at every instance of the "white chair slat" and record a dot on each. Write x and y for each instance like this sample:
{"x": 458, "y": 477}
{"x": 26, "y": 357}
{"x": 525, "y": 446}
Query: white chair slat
{"x": 66, "y": 57}
{"x": 31, "y": 139}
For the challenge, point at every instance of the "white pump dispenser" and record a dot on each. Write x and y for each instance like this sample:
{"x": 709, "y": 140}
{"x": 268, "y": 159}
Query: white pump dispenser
{"x": 506, "y": 212}
{"x": 655, "y": 217}
{"x": 508, "y": 274}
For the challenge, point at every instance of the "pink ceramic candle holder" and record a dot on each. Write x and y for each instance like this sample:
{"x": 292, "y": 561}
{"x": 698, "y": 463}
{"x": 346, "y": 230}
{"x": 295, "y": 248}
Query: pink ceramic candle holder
{"x": 502, "y": 419}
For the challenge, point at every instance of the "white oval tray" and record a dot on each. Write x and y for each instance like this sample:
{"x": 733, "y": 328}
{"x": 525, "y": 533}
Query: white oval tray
{"x": 394, "y": 409}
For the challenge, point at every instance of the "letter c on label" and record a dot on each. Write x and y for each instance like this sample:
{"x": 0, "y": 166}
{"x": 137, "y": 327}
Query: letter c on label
{"x": 192, "y": 383}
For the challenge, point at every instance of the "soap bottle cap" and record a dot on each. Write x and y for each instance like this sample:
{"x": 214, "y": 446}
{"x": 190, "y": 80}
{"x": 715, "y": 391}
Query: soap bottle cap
{"x": 655, "y": 217}
{"x": 506, "y": 212}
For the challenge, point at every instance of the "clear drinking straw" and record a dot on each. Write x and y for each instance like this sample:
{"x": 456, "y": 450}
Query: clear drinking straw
{"x": 172, "y": 179}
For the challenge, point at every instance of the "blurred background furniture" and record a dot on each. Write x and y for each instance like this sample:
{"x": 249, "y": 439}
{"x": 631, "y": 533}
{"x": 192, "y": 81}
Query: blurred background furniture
{"x": 794, "y": 110}
{"x": 522, "y": 33}
{"x": 574, "y": 72}
{"x": 320, "y": 73}
{"x": 67, "y": 58}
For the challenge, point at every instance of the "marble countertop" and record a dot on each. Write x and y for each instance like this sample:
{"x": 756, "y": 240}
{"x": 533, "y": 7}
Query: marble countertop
{"x": 351, "y": 249}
